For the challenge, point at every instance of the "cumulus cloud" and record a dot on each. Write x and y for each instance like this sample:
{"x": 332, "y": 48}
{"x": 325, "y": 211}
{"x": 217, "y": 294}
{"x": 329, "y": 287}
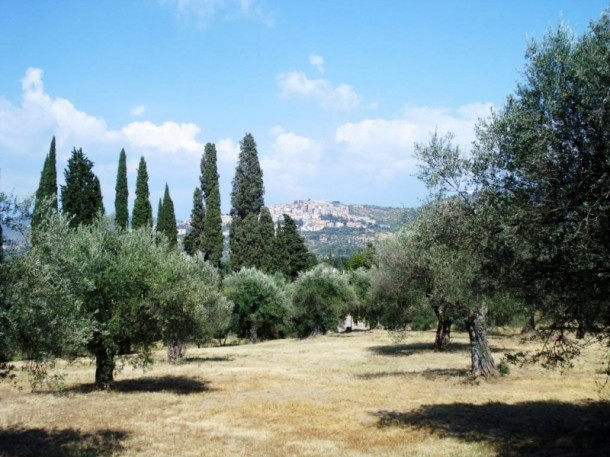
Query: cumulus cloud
{"x": 40, "y": 112}
{"x": 341, "y": 97}
{"x": 227, "y": 151}
{"x": 167, "y": 137}
{"x": 294, "y": 159}
{"x": 317, "y": 61}
{"x": 172, "y": 149}
{"x": 383, "y": 148}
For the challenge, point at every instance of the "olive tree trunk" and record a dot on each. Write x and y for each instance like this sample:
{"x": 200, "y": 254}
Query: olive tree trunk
{"x": 175, "y": 351}
{"x": 482, "y": 360}
{"x": 443, "y": 329}
{"x": 104, "y": 367}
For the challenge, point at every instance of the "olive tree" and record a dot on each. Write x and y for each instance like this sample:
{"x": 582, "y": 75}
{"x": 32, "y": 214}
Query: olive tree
{"x": 189, "y": 304}
{"x": 542, "y": 163}
{"x": 262, "y": 307}
{"x": 322, "y": 298}
{"x": 88, "y": 289}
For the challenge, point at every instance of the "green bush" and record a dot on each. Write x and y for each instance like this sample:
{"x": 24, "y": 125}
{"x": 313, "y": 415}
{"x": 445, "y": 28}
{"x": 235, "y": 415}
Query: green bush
{"x": 262, "y": 308}
{"x": 322, "y": 298}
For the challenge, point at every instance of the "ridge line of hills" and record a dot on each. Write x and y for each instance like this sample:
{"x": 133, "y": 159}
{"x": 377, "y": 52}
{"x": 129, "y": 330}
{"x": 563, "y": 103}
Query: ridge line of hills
{"x": 331, "y": 227}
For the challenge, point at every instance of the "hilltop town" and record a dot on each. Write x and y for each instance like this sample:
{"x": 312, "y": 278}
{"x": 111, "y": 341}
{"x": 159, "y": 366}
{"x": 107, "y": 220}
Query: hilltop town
{"x": 333, "y": 227}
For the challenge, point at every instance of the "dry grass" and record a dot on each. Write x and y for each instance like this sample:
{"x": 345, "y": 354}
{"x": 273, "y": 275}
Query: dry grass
{"x": 357, "y": 394}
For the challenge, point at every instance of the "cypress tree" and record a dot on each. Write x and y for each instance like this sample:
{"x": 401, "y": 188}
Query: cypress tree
{"x": 121, "y": 212}
{"x": 159, "y": 212}
{"x": 47, "y": 188}
{"x": 81, "y": 196}
{"x": 142, "y": 209}
{"x": 248, "y": 189}
{"x": 293, "y": 254}
{"x": 235, "y": 243}
{"x": 247, "y": 243}
{"x": 267, "y": 241}
{"x": 246, "y": 200}
{"x": 281, "y": 259}
{"x": 166, "y": 218}
{"x": 212, "y": 242}
{"x": 193, "y": 240}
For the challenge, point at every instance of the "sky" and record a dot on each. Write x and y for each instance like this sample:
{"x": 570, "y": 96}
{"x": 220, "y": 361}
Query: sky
{"x": 336, "y": 93}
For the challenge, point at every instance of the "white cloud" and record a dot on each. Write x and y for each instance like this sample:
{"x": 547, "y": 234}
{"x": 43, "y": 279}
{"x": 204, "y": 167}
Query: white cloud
{"x": 137, "y": 110}
{"x": 40, "y": 112}
{"x": 341, "y": 97}
{"x": 317, "y": 61}
{"x": 167, "y": 137}
{"x": 383, "y": 148}
{"x": 171, "y": 149}
{"x": 294, "y": 159}
{"x": 227, "y": 151}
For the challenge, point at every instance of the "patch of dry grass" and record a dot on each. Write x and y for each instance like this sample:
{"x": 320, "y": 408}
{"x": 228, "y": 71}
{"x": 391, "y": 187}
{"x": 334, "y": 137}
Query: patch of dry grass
{"x": 356, "y": 394}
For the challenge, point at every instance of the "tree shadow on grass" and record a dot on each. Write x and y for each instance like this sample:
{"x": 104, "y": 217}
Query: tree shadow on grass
{"x": 180, "y": 385}
{"x": 540, "y": 428}
{"x": 431, "y": 374}
{"x": 222, "y": 358}
{"x": 22, "y": 442}
{"x": 405, "y": 350}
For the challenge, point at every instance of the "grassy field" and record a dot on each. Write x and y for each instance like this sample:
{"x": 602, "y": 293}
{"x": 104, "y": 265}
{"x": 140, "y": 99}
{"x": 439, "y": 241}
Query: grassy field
{"x": 355, "y": 394}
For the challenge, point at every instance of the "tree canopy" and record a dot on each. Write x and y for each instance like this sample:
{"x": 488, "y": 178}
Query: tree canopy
{"x": 81, "y": 196}
{"x": 121, "y": 211}
{"x": 212, "y": 239}
{"x": 248, "y": 189}
{"x": 47, "y": 188}
{"x": 166, "y": 219}
{"x": 91, "y": 288}
{"x": 193, "y": 241}
{"x": 142, "y": 209}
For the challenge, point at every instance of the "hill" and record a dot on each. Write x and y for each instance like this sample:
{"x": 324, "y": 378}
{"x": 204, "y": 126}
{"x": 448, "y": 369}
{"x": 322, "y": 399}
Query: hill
{"x": 339, "y": 229}
{"x": 333, "y": 227}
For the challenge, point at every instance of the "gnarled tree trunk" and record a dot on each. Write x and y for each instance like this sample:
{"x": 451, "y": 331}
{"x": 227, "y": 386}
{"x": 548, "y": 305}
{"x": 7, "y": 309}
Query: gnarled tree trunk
{"x": 174, "y": 350}
{"x": 443, "y": 329}
{"x": 482, "y": 360}
{"x": 443, "y": 335}
{"x": 104, "y": 366}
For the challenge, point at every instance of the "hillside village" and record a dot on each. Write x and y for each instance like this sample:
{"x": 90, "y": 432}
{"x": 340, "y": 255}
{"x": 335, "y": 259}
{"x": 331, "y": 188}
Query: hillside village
{"x": 331, "y": 227}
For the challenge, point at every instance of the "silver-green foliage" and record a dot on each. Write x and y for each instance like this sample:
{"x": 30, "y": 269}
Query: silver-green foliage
{"x": 98, "y": 290}
{"x": 322, "y": 298}
{"x": 262, "y": 306}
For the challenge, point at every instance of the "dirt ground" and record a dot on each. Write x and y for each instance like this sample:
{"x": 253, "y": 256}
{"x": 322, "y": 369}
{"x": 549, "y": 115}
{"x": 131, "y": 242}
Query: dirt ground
{"x": 356, "y": 394}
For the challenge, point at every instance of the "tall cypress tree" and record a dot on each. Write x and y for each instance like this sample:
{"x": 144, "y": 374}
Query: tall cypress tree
{"x": 159, "y": 211}
{"x": 246, "y": 200}
{"x": 121, "y": 212}
{"x": 293, "y": 255}
{"x": 212, "y": 242}
{"x": 267, "y": 241}
{"x": 193, "y": 240}
{"x": 166, "y": 218}
{"x": 47, "y": 188}
{"x": 246, "y": 246}
{"x": 248, "y": 189}
{"x": 81, "y": 196}
{"x": 142, "y": 209}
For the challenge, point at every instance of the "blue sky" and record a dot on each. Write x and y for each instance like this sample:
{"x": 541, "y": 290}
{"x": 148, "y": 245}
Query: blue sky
{"x": 334, "y": 92}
